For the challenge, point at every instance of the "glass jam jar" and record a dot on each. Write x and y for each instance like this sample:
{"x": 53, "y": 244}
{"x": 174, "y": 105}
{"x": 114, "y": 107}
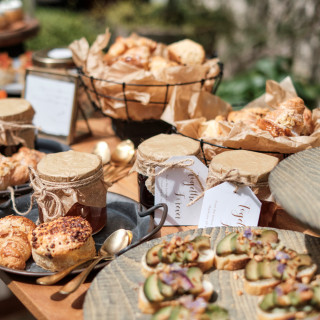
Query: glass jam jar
{"x": 16, "y": 128}
{"x": 243, "y": 167}
{"x": 154, "y": 151}
{"x": 71, "y": 184}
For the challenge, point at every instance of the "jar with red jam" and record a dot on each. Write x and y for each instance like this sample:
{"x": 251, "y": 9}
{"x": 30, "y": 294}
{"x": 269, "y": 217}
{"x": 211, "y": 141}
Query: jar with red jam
{"x": 157, "y": 150}
{"x": 71, "y": 184}
{"x": 16, "y": 128}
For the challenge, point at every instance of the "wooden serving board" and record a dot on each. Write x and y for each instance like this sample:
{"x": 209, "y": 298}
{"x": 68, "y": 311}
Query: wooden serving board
{"x": 114, "y": 292}
{"x": 295, "y": 185}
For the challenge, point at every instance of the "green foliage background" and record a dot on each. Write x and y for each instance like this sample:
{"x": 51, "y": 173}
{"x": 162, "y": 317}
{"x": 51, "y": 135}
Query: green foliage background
{"x": 178, "y": 19}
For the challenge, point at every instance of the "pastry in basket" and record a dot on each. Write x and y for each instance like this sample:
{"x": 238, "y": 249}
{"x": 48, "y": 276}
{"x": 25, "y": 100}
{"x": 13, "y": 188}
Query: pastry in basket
{"x": 158, "y": 63}
{"x": 171, "y": 283}
{"x": 14, "y": 170}
{"x": 185, "y": 252}
{"x": 15, "y": 249}
{"x": 287, "y": 120}
{"x": 61, "y": 243}
{"x": 235, "y": 250}
{"x": 248, "y": 115}
{"x": 197, "y": 309}
{"x": 262, "y": 273}
{"x": 187, "y": 52}
{"x": 291, "y": 300}
{"x": 212, "y": 128}
{"x": 132, "y": 49}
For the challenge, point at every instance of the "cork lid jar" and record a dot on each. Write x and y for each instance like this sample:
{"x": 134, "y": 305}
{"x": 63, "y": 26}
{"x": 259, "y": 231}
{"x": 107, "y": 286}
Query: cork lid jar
{"x": 16, "y": 127}
{"x": 74, "y": 181}
{"x": 152, "y": 153}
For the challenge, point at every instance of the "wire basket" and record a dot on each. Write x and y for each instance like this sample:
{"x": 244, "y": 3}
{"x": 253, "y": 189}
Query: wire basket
{"x": 138, "y": 130}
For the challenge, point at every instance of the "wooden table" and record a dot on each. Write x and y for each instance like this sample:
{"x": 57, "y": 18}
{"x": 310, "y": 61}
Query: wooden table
{"x": 43, "y": 301}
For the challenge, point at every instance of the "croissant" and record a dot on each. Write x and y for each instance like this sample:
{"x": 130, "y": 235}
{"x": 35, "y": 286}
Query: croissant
{"x": 14, "y": 170}
{"x": 15, "y": 248}
{"x": 287, "y": 120}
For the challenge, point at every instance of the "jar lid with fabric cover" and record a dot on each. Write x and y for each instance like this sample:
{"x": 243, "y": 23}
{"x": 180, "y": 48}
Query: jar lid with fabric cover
{"x": 154, "y": 151}
{"x": 70, "y": 183}
{"x": 245, "y": 168}
{"x": 16, "y": 127}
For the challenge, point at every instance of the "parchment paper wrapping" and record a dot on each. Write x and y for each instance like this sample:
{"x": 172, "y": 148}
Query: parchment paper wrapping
{"x": 16, "y": 112}
{"x": 246, "y": 168}
{"x": 91, "y": 61}
{"x": 239, "y": 135}
{"x": 156, "y": 150}
{"x": 61, "y": 169}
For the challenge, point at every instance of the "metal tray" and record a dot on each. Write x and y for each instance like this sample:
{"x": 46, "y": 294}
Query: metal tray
{"x": 122, "y": 212}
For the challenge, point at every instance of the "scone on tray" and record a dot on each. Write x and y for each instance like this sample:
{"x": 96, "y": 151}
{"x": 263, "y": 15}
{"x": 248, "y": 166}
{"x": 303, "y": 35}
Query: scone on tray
{"x": 61, "y": 243}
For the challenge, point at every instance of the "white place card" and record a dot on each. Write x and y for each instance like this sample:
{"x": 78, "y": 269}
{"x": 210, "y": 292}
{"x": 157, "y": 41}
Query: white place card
{"x": 178, "y": 187}
{"x": 223, "y": 207}
{"x": 53, "y": 102}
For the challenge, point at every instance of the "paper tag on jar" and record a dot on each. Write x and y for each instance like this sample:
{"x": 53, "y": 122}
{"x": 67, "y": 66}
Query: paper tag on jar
{"x": 223, "y": 207}
{"x": 177, "y": 187}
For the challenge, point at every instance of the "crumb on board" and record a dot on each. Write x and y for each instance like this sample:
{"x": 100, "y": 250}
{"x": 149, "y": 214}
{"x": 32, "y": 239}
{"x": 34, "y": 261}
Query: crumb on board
{"x": 239, "y": 292}
{"x": 235, "y": 276}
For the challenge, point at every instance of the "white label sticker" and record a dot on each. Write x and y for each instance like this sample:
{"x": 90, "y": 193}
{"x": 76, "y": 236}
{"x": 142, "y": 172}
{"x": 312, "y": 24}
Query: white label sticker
{"x": 177, "y": 187}
{"x": 223, "y": 207}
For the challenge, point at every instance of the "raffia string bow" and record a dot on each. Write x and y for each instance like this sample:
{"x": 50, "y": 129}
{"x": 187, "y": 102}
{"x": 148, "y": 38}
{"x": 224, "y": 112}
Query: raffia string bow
{"x": 9, "y": 130}
{"x": 44, "y": 193}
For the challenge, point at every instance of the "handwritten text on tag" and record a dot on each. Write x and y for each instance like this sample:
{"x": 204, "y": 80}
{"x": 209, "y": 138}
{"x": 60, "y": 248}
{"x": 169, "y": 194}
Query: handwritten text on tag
{"x": 223, "y": 207}
{"x": 177, "y": 187}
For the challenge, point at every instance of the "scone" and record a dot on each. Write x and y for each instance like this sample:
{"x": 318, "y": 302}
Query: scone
{"x": 15, "y": 249}
{"x": 61, "y": 243}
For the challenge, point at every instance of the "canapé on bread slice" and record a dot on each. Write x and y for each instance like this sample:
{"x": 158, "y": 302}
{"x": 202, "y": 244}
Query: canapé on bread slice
{"x": 263, "y": 275}
{"x": 168, "y": 286}
{"x": 291, "y": 300}
{"x": 236, "y": 249}
{"x": 184, "y": 252}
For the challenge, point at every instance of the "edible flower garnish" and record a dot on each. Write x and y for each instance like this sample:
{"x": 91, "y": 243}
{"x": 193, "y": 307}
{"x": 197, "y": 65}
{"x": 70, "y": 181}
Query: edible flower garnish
{"x": 281, "y": 267}
{"x": 282, "y": 255}
{"x": 195, "y": 305}
{"x": 248, "y": 234}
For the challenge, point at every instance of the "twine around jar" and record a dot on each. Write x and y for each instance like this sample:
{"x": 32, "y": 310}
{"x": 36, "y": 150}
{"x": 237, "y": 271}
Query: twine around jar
{"x": 233, "y": 176}
{"x": 9, "y": 129}
{"x": 147, "y": 168}
{"x": 44, "y": 190}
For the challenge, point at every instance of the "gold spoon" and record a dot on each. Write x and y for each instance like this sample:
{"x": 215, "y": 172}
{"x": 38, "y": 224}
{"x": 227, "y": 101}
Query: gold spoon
{"x": 74, "y": 284}
{"x": 117, "y": 241}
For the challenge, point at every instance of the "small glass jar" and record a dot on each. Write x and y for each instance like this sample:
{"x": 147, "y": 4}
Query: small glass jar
{"x": 249, "y": 168}
{"x": 16, "y": 129}
{"x": 156, "y": 150}
{"x": 72, "y": 184}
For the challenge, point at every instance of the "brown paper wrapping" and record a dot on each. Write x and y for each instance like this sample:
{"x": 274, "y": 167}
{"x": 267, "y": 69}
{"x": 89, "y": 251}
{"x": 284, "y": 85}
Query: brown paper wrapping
{"x": 16, "y": 112}
{"x": 239, "y": 135}
{"x": 246, "y": 168}
{"x": 157, "y": 150}
{"x": 91, "y": 61}
{"x": 69, "y": 167}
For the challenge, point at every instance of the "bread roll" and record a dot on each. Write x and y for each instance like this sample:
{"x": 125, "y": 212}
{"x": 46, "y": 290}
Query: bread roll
{"x": 61, "y": 243}
{"x": 187, "y": 52}
{"x": 287, "y": 120}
